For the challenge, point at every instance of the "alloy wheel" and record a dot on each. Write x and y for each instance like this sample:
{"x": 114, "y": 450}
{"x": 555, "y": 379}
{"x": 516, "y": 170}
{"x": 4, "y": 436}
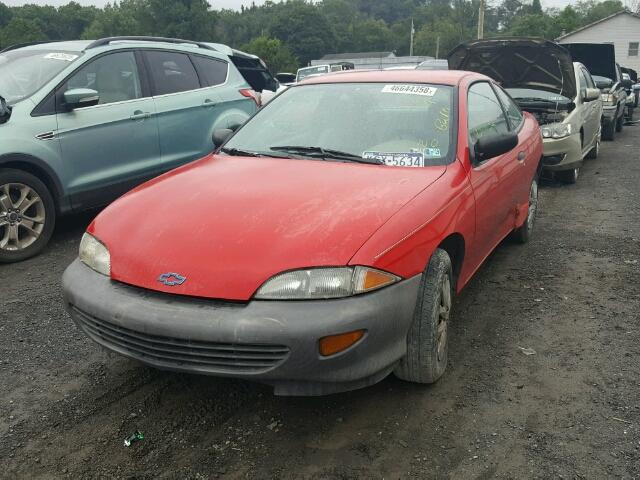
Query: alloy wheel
{"x": 22, "y": 216}
{"x": 443, "y": 318}
{"x": 533, "y": 205}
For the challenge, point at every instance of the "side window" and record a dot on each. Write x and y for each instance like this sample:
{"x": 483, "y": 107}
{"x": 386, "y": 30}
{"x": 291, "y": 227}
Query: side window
{"x": 513, "y": 111}
{"x": 171, "y": 72}
{"x": 484, "y": 112}
{"x": 114, "y": 76}
{"x": 212, "y": 71}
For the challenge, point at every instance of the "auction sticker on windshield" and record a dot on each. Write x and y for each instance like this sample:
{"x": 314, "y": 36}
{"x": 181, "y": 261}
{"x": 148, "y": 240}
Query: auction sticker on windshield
{"x": 410, "y": 90}
{"x": 399, "y": 159}
{"x": 67, "y": 57}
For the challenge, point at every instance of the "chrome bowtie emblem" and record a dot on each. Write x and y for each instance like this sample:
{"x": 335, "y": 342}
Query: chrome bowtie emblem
{"x": 172, "y": 279}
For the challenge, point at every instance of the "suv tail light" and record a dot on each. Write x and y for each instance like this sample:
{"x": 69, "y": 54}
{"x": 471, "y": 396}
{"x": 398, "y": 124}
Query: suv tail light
{"x": 247, "y": 92}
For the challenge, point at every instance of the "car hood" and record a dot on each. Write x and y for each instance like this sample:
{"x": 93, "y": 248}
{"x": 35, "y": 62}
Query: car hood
{"x": 599, "y": 58}
{"x": 518, "y": 63}
{"x": 228, "y": 224}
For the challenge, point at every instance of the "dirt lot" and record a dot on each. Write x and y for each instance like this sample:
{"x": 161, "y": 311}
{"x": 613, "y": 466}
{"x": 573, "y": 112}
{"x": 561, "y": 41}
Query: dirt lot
{"x": 572, "y": 410}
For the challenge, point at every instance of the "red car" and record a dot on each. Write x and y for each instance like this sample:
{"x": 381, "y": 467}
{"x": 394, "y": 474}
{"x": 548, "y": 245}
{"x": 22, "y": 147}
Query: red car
{"x": 318, "y": 250}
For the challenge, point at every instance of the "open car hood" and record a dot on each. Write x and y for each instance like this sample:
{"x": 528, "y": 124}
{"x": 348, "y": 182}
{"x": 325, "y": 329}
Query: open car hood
{"x": 599, "y": 58}
{"x": 518, "y": 63}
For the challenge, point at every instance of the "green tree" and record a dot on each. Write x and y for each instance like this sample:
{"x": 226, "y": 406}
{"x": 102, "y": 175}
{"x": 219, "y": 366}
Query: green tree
{"x": 275, "y": 54}
{"x": 305, "y": 30}
{"x": 5, "y": 14}
{"x": 530, "y": 26}
{"x": 372, "y": 36}
{"x": 20, "y": 30}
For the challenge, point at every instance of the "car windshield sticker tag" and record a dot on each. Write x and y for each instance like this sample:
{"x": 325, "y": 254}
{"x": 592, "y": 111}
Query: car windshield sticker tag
{"x": 410, "y": 90}
{"x": 67, "y": 57}
{"x": 432, "y": 153}
{"x": 399, "y": 159}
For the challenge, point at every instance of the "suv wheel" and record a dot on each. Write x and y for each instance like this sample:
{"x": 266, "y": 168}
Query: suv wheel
{"x": 609, "y": 130}
{"x": 595, "y": 151}
{"x": 27, "y": 215}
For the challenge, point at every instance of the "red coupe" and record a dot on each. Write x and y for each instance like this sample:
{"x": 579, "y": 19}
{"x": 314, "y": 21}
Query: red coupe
{"x": 319, "y": 248}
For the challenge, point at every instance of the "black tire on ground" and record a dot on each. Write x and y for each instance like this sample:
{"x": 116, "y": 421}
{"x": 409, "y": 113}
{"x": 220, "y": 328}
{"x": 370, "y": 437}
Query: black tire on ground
{"x": 620, "y": 123}
{"x": 14, "y": 176}
{"x": 568, "y": 177}
{"x": 522, "y": 234}
{"x": 630, "y": 114}
{"x": 608, "y": 131}
{"x": 427, "y": 340}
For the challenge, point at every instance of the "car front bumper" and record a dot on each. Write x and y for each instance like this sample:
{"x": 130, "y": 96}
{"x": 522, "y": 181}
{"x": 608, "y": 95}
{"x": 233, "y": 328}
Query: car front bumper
{"x": 274, "y": 342}
{"x": 609, "y": 113}
{"x": 562, "y": 153}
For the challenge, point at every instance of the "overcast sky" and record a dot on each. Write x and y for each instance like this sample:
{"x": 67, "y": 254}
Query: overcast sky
{"x": 225, "y": 3}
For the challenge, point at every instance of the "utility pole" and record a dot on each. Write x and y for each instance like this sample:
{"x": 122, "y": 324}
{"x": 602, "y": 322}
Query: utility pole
{"x": 437, "y": 47}
{"x": 413, "y": 31}
{"x": 481, "y": 20}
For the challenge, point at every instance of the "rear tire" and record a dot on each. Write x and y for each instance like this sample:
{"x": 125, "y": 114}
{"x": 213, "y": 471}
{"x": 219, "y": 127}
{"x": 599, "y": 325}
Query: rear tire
{"x": 522, "y": 234}
{"x": 27, "y": 215}
{"x": 609, "y": 131}
{"x": 427, "y": 340}
{"x": 568, "y": 177}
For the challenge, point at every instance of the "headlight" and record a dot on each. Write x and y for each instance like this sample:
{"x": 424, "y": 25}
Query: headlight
{"x": 556, "y": 130}
{"x": 319, "y": 283}
{"x": 95, "y": 255}
{"x": 608, "y": 98}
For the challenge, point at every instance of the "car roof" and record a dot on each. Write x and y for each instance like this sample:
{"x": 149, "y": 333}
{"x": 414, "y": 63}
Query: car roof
{"x": 67, "y": 46}
{"x": 441, "y": 77}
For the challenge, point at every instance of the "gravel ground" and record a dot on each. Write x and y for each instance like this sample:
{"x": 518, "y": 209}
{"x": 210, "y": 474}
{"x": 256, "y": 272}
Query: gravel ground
{"x": 569, "y": 411}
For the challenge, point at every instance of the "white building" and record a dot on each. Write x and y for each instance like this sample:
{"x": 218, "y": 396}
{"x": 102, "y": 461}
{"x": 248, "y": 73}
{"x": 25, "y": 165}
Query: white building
{"x": 622, "y": 29}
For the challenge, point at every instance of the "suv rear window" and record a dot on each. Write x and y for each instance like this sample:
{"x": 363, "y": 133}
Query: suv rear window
{"x": 171, "y": 72}
{"x": 212, "y": 71}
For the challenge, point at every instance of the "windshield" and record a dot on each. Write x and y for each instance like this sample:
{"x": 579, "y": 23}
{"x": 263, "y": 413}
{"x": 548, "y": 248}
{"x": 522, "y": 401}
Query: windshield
{"x": 25, "y": 71}
{"x": 528, "y": 94}
{"x": 306, "y": 72}
{"x": 396, "y": 124}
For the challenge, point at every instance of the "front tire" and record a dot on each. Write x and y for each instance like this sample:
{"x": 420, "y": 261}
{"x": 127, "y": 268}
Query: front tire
{"x": 595, "y": 151}
{"x": 568, "y": 177}
{"x": 427, "y": 341}
{"x": 609, "y": 131}
{"x": 27, "y": 215}
{"x": 522, "y": 234}
{"x": 620, "y": 123}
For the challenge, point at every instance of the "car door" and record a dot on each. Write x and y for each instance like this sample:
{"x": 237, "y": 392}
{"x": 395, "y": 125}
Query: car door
{"x": 187, "y": 106}
{"x": 595, "y": 107}
{"x": 112, "y": 146}
{"x": 496, "y": 181}
{"x": 587, "y": 111}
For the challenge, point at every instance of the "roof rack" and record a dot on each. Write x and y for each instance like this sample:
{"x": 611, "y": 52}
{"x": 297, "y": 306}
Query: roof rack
{"x": 20, "y": 45}
{"x": 108, "y": 40}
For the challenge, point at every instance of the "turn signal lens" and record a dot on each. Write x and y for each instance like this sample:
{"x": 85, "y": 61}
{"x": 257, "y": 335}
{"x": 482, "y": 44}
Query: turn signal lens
{"x": 369, "y": 279}
{"x": 337, "y": 343}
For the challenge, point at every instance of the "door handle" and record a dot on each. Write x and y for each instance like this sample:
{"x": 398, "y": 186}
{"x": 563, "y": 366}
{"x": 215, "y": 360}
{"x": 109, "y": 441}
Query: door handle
{"x": 521, "y": 156}
{"x": 208, "y": 103}
{"x": 140, "y": 115}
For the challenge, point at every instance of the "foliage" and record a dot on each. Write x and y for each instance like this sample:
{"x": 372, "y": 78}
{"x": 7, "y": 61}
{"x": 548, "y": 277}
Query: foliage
{"x": 293, "y": 32}
{"x": 277, "y": 56}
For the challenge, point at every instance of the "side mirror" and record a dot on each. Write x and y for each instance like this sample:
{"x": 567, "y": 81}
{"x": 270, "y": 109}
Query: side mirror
{"x": 591, "y": 94}
{"x": 493, "y": 146}
{"x": 221, "y": 135}
{"x": 81, "y": 97}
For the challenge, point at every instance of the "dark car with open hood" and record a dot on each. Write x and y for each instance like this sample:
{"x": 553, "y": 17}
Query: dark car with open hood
{"x": 543, "y": 80}
{"x": 600, "y": 59}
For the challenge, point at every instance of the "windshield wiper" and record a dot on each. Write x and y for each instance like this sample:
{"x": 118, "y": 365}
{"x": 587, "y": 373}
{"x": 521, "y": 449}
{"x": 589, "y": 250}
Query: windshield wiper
{"x": 319, "y": 152}
{"x": 237, "y": 152}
